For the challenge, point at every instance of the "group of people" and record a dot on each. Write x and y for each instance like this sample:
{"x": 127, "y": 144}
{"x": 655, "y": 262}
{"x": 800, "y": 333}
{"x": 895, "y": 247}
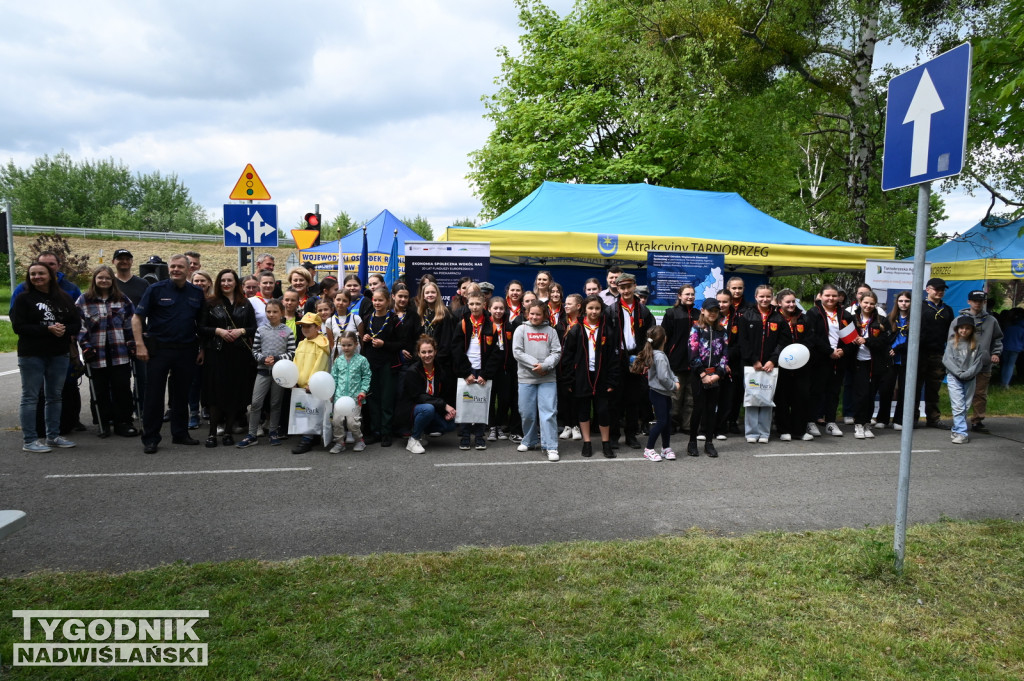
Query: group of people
{"x": 204, "y": 346}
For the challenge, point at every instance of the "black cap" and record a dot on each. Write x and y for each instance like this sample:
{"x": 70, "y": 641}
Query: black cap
{"x": 964, "y": 320}
{"x": 122, "y": 253}
{"x": 977, "y": 295}
{"x": 936, "y": 283}
{"x": 710, "y": 304}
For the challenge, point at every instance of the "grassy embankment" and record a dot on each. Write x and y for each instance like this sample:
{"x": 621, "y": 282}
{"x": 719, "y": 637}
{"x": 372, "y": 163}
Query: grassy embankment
{"x": 816, "y": 605}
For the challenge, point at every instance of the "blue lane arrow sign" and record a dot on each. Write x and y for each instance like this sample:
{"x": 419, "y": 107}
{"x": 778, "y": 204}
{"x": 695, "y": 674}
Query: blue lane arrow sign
{"x": 250, "y": 225}
{"x": 926, "y": 120}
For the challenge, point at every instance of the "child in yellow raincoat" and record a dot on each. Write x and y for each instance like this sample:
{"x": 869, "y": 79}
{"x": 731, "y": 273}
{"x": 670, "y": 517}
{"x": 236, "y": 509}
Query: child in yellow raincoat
{"x": 312, "y": 354}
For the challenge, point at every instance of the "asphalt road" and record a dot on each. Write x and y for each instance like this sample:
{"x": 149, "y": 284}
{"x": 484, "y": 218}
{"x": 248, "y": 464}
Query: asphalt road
{"x": 104, "y": 505}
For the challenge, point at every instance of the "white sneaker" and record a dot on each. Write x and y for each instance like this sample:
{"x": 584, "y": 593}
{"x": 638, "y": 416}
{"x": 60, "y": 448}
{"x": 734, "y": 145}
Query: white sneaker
{"x": 502, "y": 435}
{"x": 785, "y": 437}
{"x": 848, "y": 420}
{"x": 751, "y": 440}
{"x": 702, "y": 438}
{"x": 565, "y": 434}
{"x": 867, "y": 432}
{"x": 807, "y": 437}
{"x": 492, "y": 435}
{"x": 338, "y": 447}
{"x": 359, "y": 445}
{"x": 414, "y": 446}
{"x": 523, "y": 447}
{"x": 576, "y": 434}
{"x": 958, "y": 438}
{"x": 552, "y": 455}
{"x": 349, "y": 438}
{"x": 833, "y": 429}
{"x": 652, "y": 455}
{"x": 812, "y": 428}
{"x": 897, "y": 426}
{"x": 721, "y": 436}
{"x": 668, "y": 454}
{"x": 762, "y": 440}
{"x": 858, "y": 431}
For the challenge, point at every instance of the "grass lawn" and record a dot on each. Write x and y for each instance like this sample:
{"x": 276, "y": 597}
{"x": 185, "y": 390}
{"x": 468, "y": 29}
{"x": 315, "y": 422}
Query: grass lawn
{"x": 821, "y": 605}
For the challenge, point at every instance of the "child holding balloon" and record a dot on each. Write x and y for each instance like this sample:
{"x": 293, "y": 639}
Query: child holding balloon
{"x": 311, "y": 355}
{"x": 351, "y": 374}
{"x": 273, "y": 342}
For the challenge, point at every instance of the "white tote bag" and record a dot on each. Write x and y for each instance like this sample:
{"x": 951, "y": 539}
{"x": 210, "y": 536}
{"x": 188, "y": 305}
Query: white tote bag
{"x": 759, "y": 387}
{"x": 309, "y": 415}
{"x": 472, "y": 402}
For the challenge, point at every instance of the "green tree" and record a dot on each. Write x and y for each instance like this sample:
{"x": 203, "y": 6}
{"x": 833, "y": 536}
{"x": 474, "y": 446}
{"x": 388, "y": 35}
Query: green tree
{"x": 420, "y": 225}
{"x": 61, "y": 192}
{"x": 465, "y": 222}
{"x": 341, "y": 225}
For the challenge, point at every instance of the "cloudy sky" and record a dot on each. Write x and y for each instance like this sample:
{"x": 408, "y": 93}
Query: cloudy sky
{"x": 356, "y": 105}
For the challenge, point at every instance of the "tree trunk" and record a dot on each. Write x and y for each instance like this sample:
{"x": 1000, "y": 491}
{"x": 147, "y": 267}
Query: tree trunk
{"x": 862, "y": 149}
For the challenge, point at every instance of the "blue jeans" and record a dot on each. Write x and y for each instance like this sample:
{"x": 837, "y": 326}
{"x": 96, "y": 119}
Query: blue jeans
{"x": 543, "y": 398}
{"x": 1009, "y": 360}
{"x": 960, "y": 395}
{"x": 48, "y": 374}
{"x": 425, "y": 419}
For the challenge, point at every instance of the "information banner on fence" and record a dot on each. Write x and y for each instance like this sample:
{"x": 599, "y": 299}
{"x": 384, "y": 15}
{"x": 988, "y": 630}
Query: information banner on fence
{"x": 668, "y": 270}
{"x": 888, "y": 277}
{"x": 448, "y": 261}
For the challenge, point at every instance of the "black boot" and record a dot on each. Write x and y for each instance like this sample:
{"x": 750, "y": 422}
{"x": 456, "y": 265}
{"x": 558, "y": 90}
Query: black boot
{"x": 632, "y": 442}
{"x": 691, "y": 448}
{"x": 709, "y": 449}
{"x": 588, "y": 450}
{"x": 606, "y": 448}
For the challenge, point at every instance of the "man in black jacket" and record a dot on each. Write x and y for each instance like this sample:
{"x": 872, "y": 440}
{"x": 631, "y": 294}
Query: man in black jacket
{"x": 936, "y": 318}
{"x": 632, "y": 320}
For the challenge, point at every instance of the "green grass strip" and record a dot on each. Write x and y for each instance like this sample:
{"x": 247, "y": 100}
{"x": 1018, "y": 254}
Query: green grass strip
{"x": 817, "y": 605}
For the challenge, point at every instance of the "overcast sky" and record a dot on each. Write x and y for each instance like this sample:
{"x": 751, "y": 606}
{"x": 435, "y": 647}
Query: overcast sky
{"x": 355, "y": 105}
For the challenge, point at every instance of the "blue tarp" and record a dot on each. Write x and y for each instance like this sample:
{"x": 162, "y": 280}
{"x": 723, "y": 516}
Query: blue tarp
{"x": 380, "y": 235}
{"x": 980, "y": 242}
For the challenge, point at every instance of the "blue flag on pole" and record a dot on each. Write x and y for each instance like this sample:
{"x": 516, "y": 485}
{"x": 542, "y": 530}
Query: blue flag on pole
{"x": 364, "y": 261}
{"x": 391, "y": 274}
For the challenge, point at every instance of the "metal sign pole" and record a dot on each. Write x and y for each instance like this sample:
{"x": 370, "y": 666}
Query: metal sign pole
{"x": 910, "y": 394}
{"x": 10, "y": 244}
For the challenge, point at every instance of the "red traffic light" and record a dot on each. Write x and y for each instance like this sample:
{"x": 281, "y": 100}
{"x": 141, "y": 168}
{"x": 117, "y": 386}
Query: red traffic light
{"x": 313, "y": 220}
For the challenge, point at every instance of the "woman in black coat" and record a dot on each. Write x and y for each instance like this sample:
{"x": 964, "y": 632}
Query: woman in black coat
{"x": 227, "y": 330}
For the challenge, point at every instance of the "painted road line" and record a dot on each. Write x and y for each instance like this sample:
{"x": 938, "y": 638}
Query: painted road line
{"x": 8, "y": 373}
{"x": 892, "y": 451}
{"x": 130, "y": 475}
{"x": 529, "y": 463}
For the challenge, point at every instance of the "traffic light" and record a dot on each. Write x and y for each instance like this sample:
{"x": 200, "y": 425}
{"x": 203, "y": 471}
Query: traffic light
{"x": 313, "y": 221}
{"x": 243, "y": 258}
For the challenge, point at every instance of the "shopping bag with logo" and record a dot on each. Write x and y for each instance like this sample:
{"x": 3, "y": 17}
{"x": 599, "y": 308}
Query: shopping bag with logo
{"x": 759, "y": 387}
{"x": 472, "y": 402}
{"x": 309, "y": 415}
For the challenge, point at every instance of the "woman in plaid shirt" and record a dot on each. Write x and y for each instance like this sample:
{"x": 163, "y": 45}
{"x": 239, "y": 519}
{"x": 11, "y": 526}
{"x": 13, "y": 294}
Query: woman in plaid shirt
{"x": 106, "y": 341}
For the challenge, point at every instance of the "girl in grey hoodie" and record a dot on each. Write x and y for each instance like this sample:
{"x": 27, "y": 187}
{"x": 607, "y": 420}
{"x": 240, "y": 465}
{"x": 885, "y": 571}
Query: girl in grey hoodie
{"x": 662, "y": 383}
{"x": 962, "y": 360}
{"x": 536, "y": 347}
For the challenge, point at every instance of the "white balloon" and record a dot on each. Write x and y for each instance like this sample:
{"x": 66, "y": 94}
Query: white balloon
{"x": 321, "y": 384}
{"x": 794, "y": 356}
{"x": 285, "y": 373}
{"x": 344, "y": 407}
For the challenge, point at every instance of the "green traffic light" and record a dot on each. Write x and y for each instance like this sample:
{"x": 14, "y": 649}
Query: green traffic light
{"x": 249, "y": 192}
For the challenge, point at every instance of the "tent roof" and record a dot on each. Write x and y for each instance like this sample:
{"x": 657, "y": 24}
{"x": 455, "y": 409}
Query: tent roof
{"x": 648, "y": 210}
{"x": 380, "y": 233}
{"x": 982, "y": 242}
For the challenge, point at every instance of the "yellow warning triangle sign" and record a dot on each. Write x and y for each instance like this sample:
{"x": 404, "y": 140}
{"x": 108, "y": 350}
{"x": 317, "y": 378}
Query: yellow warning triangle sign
{"x": 249, "y": 187}
{"x": 304, "y": 238}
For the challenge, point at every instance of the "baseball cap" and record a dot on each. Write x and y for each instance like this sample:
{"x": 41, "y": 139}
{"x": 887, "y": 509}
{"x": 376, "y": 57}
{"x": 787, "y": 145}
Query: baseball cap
{"x": 964, "y": 320}
{"x": 710, "y": 304}
{"x": 122, "y": 253}
{"x": 311, "y": 318}
{"x": 936, "y": 283}
{"x": 977, "y": 295}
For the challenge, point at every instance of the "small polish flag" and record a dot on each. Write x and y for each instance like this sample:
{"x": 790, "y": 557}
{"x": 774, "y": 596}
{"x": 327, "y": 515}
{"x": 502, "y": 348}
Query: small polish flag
{"x": 848, "y": 333}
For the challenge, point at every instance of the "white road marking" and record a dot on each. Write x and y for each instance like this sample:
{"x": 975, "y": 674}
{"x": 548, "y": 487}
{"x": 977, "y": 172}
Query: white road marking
{"x": 129, "y": 475}
{"x": 8, "y": 373}
{"x": 527, "y": 463}
{"x": 893, "y": 451}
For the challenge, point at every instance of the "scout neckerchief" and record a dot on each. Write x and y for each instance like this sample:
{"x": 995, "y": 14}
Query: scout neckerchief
{"x": 499, "y": 333}
{"x": 764, "y": 328}
{"x": 478, "y": 327}
{"x": 592, "y": 341}
{"x": 513, "y": 310}
{"x": 553, "y": 313}
{"x": 628, "y": 332}
{"x": 429, "y": 373}
{"x": 383, "y": 325}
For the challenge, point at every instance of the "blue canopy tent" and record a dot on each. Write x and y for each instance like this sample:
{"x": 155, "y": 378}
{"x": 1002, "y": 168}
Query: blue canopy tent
{"x": 978, "y": 255}
{"x": 380, "y": 236}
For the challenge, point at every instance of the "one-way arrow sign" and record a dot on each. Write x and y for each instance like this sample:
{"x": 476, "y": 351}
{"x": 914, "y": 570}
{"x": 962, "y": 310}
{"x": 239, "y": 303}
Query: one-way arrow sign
{"x": 926, "y": 120}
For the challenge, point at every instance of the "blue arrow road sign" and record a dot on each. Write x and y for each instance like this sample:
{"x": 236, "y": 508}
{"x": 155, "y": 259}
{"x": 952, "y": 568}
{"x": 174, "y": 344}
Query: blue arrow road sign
{"x": 926, "y": 120}
{"x": 248, "y": 225}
